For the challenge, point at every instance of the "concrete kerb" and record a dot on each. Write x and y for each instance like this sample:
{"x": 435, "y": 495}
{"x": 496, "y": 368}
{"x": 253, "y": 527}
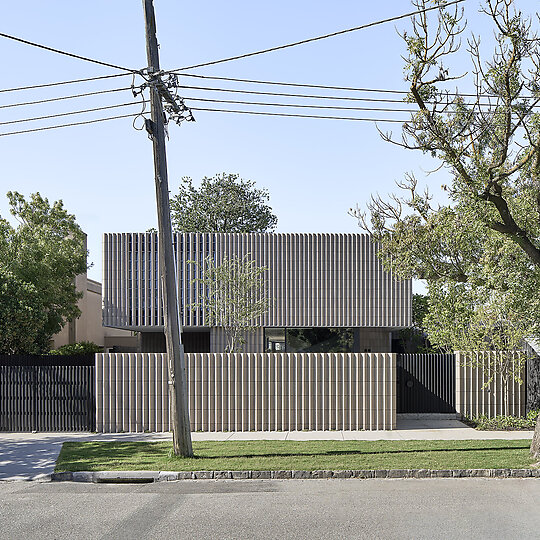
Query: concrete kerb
{"x": 126, "y": 477}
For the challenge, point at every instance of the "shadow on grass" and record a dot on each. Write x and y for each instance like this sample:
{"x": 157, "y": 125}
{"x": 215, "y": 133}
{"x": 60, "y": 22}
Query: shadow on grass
{"x": 151, "y": 451}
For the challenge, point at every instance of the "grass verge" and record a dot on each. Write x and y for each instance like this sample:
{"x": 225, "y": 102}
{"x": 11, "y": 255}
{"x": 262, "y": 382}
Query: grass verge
{"x": 287, "y": 455}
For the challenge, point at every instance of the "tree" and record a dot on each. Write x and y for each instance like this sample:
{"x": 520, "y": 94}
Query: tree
{"x": 22, "y": 317}
{"x": 224, "y": 203}
{"x": 488, "y": 235}
{"x": 234, "y": 296}
{"x": 40, "y": 259}
{"x": 459, "y": 319}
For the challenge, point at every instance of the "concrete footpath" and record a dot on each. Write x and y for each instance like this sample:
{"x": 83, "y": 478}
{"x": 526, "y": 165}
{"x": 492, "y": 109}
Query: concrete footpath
{"x": 25, "y": 456}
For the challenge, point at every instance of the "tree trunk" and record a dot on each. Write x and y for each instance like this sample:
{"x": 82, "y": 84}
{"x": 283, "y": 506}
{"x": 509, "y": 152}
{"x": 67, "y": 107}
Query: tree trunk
{"x": 533, "y": 383}
{"x": 535, "y": 445}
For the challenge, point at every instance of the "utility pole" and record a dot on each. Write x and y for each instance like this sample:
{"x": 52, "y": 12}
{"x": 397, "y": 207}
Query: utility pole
{"x": 175, "y": 350}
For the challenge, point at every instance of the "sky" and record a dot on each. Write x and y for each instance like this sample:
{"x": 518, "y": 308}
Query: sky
{"x": 315, "y": 170}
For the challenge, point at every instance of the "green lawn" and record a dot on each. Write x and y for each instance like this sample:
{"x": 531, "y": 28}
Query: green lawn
{"x": 287, "y": 455}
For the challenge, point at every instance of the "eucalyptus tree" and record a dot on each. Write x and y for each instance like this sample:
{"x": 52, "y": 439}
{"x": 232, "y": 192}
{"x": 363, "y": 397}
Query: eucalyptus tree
{"x": 487, "y": 137}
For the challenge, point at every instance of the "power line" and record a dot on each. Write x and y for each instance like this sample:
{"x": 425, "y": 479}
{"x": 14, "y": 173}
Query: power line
{"x": 325, "y": 87}
{"x": 64, "y": 97}
{"x": 348, "y": 88}
{"x": 300, "y": 115}
{"x": 284, "y": 94}
{"x": 70, "y": 113}
{"x": 300, "y": 106}
{"x": 334, "y": 107}
{"x": 72, "y": 55}
{"x": 70, "y": 124}
{"x": 46, "y": 85}
{"x": 318, "y": 38}
{"x": 318, "y": 96}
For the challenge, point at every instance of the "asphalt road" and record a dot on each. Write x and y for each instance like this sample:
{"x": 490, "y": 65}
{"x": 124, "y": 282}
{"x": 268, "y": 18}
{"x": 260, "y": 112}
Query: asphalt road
{"x": 431, "y": 508}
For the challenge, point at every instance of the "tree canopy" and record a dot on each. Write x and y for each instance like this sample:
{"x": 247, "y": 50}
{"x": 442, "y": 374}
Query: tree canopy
{"x": 40, "y": 258}
{"x": 480, "y": 252}
{"x": 223, "y": 203}
{"x": 487, "y": 237}
{"x": 235, "y": 298}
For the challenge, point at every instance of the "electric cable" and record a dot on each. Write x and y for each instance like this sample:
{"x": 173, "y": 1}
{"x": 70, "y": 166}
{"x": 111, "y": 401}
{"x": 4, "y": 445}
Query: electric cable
{"x": 300, "y": 115}
{"x": 73, "y": 96}
{"x": 22, "y": 120}
{"x": 336, "y": 107}
{"x": 318, "y": 38}
{"x": 46, "y": 85}
{"x": 326, "y": 87}
{"x": 70, "y": 124}
{"x": 65, "y": 53}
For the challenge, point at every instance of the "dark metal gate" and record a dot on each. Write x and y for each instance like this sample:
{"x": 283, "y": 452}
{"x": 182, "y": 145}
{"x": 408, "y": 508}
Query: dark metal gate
{"x": 47, "y": 393}
{"x": 426, "y": 383}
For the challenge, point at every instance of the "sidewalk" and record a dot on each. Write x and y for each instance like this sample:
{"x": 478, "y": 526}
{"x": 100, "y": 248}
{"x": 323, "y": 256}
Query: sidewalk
{"x": 26, "y": 455}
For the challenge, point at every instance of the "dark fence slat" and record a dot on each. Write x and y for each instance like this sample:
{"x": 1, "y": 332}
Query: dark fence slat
{"x": 47, "y": 393}
{"x": 426, "y": 383}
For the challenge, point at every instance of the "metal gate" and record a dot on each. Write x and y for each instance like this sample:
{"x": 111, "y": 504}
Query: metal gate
{"x": 426, "y": 383}
{"x": 47, "y": 393}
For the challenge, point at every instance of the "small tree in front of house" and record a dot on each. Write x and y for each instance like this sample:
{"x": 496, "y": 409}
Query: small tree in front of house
{"x": 233, "y": 296}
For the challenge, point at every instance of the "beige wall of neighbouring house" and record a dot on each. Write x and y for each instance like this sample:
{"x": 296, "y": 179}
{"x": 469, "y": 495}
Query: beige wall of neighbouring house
{"x": 89, "y": 326}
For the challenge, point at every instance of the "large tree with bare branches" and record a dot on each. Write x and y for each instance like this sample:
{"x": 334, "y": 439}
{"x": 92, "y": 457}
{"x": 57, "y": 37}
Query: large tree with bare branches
{"x": 484, "y": 129}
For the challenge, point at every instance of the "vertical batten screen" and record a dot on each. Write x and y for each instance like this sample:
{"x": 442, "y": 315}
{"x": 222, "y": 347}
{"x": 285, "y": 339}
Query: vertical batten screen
{"x": 474, "y": 397}
{"x": 328, "y": 280}
{"x": 250, "y": 392}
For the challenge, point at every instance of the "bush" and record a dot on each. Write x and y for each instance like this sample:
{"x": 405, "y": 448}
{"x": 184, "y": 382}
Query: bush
{"x": 502, "y": 422}
{"x": 81, "y": 347}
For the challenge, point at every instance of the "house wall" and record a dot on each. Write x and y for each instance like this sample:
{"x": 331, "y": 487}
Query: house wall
{"x": 326, "y": 280}
{"x": 250, "y": 392}
{"x": 89, "y": 327}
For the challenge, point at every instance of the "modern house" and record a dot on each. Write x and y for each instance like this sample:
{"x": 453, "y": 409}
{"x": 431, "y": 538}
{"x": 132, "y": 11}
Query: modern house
{"x": 327, "y": 292}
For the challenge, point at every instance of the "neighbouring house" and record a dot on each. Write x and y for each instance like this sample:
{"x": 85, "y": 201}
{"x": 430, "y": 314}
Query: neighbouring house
{"x": 88, "y": 326}
{"x": 327, "y": 292}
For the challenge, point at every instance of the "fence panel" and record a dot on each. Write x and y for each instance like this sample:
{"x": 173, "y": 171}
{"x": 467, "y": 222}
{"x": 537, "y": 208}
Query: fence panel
{"x": 426, "y": 383}
{"x": 47, "y": 393}
{"x": 250, "y": 391}
{"x": 476, "y": 396}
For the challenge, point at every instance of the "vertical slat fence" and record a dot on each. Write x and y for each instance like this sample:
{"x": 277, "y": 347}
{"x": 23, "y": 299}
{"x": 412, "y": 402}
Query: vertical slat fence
{"x": 250, "y": 391}
{"x": 47, "y": 393}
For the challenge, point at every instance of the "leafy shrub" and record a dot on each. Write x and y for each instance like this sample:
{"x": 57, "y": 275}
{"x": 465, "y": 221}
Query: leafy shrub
{"x": 81, "y": 347}
{"x": 502, "y": 422}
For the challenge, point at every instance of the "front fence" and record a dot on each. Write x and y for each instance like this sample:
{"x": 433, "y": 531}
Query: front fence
{"x": 47, "y": 393}
{"x": 474, "y": 396}
{"x": 250, "y": 392}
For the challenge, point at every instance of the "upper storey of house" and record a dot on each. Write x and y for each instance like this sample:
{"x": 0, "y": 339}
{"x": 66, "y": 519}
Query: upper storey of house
{"x": 312, "y": 280}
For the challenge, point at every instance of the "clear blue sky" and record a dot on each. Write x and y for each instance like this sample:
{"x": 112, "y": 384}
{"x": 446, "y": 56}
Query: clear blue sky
{"x": 314, "y": 169}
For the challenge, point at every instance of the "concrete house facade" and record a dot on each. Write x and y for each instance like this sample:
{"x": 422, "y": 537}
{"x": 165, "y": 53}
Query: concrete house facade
{"x": 327, "y": 292}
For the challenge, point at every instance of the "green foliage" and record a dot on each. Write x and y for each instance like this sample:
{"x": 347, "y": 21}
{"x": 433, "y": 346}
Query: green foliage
{"x": 480, "y": 251}
{"x": 22, "y": 316}
{"x": 224, "y": 203}
{"x": 81, "y": 347}
{"x": 40, "y": 259}
{"x": 235, "y": 296}
{"x": 501, "y": 422}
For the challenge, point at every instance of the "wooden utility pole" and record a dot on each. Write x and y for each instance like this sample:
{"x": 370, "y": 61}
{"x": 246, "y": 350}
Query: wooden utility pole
{"x": 175, "y": 351}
